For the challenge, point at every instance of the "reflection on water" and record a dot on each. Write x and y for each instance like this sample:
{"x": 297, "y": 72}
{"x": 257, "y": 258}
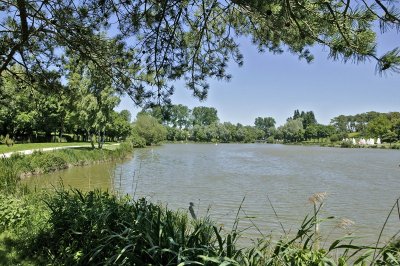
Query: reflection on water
{"x": 98, "y": 176}
{"x": 362, "y": 184}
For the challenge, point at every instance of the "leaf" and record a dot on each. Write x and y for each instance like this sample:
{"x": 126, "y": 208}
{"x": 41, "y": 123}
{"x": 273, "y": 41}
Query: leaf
{"x": 212, "y": 259}
{"x": 364, "y": 256}
{"x": 334, "y": 244}
{"x": 220, "y": 243}
{"x": 189, "y": 262}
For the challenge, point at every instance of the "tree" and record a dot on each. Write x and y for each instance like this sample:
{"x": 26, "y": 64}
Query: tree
{"x": 267, "y": 124}
{"x": 126, "y": 115}
{"x": 150, "y": 129}
{"x": 180, "y": 116}
{"x": 324, "y": 131}
{"x": 98, "y": 99}
{"x": 204, "y": 116}
{"x": 340, "y": 123}
{"x": 311, "y": 132}
{"x": 293, "y": 130}
{"x": 308, "y": 119}
{"x": 379, "y": 126}
{"x": 119, "y": 126}
{"x": 153, "y": 43}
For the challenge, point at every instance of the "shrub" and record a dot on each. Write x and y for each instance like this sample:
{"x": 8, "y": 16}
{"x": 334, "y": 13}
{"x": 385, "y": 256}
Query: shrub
{"x": 13, "y": 212}
{"x": 346, "y": 144}
{"x": 47, "y": 162}
{"x": 99, "y": 228}
{"x": 334, "y": 138}
{"x": 149, "y": 129}
{"x": 8, "y": 141}
{"x": 137, "y": 141}
{"x": 270, "y": 139}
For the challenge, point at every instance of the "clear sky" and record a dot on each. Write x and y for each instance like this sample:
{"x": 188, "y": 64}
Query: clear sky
{"x": 276, "y": 85}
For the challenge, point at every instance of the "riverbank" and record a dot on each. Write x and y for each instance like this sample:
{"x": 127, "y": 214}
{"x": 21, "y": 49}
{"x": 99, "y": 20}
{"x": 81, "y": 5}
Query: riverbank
{"x": 19, "y": 165}
{"x": 393, "y": 146}
{"x": 45, "y": 147}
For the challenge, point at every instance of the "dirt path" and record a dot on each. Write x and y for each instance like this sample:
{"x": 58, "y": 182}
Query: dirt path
{"x": 27, "y": 152}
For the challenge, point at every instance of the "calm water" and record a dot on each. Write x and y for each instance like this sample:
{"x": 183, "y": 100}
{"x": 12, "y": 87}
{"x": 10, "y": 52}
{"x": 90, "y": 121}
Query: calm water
{"x": 362, "y": 184}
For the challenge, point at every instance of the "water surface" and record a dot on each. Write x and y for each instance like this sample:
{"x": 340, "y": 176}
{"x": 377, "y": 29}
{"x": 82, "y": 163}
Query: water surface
{"x": 361, "y": 184}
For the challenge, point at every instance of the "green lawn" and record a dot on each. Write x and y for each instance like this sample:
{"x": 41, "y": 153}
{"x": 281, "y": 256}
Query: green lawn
{"x": 30, "y": 146}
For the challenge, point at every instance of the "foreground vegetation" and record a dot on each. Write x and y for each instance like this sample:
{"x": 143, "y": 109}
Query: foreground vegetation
{"x": 68, "y": 227}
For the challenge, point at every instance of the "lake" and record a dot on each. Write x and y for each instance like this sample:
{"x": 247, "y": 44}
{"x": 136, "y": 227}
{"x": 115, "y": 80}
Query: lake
{"x": 361, "y": 184}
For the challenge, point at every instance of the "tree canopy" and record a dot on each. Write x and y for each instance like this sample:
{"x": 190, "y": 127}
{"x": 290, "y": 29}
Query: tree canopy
{"x": 145, "y": 45}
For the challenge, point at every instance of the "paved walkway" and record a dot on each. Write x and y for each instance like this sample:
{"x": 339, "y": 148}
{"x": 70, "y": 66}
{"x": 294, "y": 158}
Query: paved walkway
{"x": 26, "y": 152}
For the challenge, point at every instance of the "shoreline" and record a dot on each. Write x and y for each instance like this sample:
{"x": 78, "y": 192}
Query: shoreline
{"x": 23, "y": 165}
{"x": 393, "y": 146}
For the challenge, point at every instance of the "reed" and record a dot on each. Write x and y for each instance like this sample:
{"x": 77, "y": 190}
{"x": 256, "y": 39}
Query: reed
{"x": 101, "y": 228}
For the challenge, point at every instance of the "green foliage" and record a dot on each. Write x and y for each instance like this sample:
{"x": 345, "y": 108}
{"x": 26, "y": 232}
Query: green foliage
{"x": 293, "y": 130}
{"x": 45, "y": 162}
{"x": 204, "y": 116}
{"x": 148, "y": 128}
{"x": 82, "y": 107}
{"x": 97, "y": 227}
{"x": 154, "y": 44}
{"x": 9, "y": 174}
{"x": 76, "y": 228}
{"x": 267, "y": 124}
{"x": 136, "y": 141}
{"x": 378, "y": 126}
{"x": 12, "y": 168}
{"x": 13, "y": 212}
{"x": 308, "y": 118}
{"x": 8, "y": 141}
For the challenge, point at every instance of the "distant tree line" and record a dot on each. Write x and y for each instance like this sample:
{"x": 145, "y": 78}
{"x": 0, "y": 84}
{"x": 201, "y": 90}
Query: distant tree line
{"x": 201, "y": 124}
{"x": 370, "y": 124}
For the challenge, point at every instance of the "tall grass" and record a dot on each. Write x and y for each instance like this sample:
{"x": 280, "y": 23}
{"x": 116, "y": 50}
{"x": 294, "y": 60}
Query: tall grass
{"x": 9, "y": 174}
{"x": 99, "y": 228}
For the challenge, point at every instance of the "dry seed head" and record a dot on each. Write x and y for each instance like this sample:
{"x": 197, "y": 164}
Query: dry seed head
{"x": 317, "y": 197}
{"x": 345, "y": 223}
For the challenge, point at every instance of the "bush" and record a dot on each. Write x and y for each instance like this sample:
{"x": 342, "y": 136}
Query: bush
{"x": 47, "y": 162}
{"x": 99, "y": 228}
{"x": 8, "y": 141}
{"x": 136, "y": 141}
{"x": 13, "y": 212}
{"x": 334, "y": 138}
{"x": 149, "y": 129}
{"x": 271, "y": 139}
{"x": 346, "y": 144}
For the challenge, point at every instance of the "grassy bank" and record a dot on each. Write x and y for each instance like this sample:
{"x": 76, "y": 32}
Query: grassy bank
{"x": 33, "y": 146}
{"x": 69, "y": 227}
{"x": 18, "y": 166}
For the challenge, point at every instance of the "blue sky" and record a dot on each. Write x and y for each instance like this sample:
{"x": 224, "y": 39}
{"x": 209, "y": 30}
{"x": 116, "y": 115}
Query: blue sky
{"x": 276, "y": 85}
